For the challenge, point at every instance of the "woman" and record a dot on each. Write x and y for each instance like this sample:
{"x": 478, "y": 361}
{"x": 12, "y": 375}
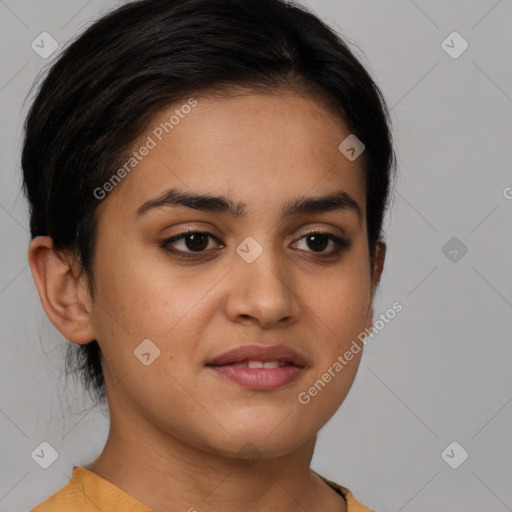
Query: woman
{"x": 207, "y": 182}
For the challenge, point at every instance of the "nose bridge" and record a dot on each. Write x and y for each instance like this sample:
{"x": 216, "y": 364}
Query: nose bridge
{"x": 263, "y": 282}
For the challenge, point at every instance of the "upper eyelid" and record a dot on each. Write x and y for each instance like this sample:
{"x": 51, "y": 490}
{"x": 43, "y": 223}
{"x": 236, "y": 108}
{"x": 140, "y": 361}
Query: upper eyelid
{"x": 181, "y": 236}
{"x": 340, "y": 232}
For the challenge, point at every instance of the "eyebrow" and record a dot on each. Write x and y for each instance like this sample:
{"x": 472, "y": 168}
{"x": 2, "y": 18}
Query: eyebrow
{"x": 339, "y": 200}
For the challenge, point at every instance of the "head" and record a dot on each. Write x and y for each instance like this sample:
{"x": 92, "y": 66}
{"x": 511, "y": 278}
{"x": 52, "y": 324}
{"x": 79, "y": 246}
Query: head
{"x": 210, "y": 116}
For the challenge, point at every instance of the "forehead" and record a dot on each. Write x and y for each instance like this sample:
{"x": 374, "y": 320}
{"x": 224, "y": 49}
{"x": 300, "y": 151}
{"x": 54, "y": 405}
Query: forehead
{"x": 259, "y": 148}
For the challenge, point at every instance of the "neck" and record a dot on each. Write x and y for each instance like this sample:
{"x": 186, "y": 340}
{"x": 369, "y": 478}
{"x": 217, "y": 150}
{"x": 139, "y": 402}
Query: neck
{"x": 165, "y": 473}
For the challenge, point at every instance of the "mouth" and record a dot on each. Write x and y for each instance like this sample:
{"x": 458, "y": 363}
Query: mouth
{"x": 258, "y": 367}
{"x": 259, "y": 364}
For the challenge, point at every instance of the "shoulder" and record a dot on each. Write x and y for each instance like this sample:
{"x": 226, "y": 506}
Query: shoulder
{"x": 353, "y": 505}
{"x": 87, "y": 491}
{"x": 67, "y": 498}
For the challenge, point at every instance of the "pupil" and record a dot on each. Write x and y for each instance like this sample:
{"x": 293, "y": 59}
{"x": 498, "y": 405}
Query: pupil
{"x": 316, "y": 244}
{"x": 196, "y": 239}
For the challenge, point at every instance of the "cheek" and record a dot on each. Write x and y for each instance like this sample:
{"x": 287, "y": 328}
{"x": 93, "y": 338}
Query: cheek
{"x": 138, "y": 293}
{"x": 341, "y": 308}
{"x": 155, "y": 301}
{"x": 339, "y": 314}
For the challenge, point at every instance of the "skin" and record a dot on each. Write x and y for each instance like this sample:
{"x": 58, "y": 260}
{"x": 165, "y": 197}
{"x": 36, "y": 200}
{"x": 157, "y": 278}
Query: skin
{"x": 185, "y": 425}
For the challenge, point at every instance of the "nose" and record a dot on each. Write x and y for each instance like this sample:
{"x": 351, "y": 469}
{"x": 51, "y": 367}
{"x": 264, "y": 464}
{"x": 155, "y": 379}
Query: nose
{"x": 263, "y": 292}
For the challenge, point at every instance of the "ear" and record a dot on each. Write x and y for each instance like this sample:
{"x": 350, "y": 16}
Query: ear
{"x": 378, "y": 266}
{"x": 63, "y": 293}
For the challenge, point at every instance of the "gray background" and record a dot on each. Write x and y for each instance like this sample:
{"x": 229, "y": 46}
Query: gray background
{"x": 439, "y": 372}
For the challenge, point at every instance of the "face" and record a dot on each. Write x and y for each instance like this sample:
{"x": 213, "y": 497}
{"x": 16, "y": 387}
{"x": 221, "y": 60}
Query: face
{"x": 256, "y": 278}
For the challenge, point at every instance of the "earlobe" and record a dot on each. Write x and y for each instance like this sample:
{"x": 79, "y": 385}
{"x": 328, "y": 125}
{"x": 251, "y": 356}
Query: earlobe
{"x": 59, "y": 292}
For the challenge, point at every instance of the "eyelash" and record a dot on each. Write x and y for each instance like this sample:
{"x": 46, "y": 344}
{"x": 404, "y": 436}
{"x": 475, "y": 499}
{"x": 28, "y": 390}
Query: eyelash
{"x": 341, "y": 244}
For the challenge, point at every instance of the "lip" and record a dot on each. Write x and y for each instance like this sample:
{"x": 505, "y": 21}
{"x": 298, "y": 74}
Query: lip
{"x": 280, "y": 353}
{"x": 259, "y": 379}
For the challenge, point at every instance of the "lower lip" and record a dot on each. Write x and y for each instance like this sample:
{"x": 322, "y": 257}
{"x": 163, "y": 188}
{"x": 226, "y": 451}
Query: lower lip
{"x": 260, "y": 379}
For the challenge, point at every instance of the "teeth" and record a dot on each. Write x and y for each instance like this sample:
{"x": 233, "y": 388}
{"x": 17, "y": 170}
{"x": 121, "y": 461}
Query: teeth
{"x": 263, "y": 364}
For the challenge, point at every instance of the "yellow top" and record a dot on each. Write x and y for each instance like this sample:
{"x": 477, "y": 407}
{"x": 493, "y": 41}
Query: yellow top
{"x": 88, "y": 492}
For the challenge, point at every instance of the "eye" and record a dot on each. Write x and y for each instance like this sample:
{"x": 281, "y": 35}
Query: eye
{"x": 193, "y": 241}
{"x": 319, "y": 240}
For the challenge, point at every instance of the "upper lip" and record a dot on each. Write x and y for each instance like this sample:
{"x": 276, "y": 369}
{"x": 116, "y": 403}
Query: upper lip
{"x": 280, "y": 353}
